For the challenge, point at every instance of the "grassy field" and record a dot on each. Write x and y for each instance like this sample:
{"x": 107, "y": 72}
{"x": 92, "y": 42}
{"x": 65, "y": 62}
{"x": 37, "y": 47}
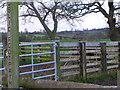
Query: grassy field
{"x": 38, "y": 35}
{"x": 104, "y": 40}
{"x": 64, "y": 40}
{"x": 67, "y": 40}
{"x": 71, "y": 36}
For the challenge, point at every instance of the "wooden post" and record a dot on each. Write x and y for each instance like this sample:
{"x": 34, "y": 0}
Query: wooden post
{"x": 52, "y": 56}
{"x": 58, "y": 73}
{"x": 118, "y": 71}
{"x": 103, "y": 57}
{"x": 13, "y": 44}
{"x": 5, "y": 73}
{"x": 83, "y": 68}
{"x": 23, "y": 49}
{"x": 39, "y": 49}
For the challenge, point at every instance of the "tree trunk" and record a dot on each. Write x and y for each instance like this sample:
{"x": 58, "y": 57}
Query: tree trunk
{"x": 51, "y": 35}
{"x": 114, "y": 33}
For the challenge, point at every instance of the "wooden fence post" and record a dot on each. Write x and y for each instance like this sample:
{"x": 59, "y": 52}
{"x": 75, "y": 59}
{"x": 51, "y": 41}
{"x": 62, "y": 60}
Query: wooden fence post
{"x": 5, "y": 72}
{"x": 23, "y": 52}
{"x": 103, "y": 57}
{"x": 13, "y": 44}
{"x": 83, "y": 68}
{"x": 39, "y": 49}
{"x": 58, "y": 73}
{"x": 118, "y": 71}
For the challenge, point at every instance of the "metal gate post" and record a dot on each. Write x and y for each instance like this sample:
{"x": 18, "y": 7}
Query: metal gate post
{"x": 32, "y": 61}
{"x": 57, "y": 60}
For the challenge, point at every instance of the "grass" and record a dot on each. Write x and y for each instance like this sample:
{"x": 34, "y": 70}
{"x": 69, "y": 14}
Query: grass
{"x": 63, "y": 40}
{"x": 38, "y": 35}
{"x": 91, "y": 79}
{"x": 104, "y": 40}
{"x": 1, "y": 62}
{"x": 68, "y": 40}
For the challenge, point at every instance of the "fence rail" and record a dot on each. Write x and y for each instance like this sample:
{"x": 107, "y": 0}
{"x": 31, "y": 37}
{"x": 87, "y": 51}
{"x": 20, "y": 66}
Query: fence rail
{"x": 68, "y": 58}
{"x": 96, "y": 56}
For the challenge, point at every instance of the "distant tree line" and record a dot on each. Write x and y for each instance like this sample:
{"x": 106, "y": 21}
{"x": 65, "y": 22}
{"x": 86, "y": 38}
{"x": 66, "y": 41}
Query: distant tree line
{"x": 93, "y": 34}
{"x": 89, "y": 35}
{"x": 27, "y": 37}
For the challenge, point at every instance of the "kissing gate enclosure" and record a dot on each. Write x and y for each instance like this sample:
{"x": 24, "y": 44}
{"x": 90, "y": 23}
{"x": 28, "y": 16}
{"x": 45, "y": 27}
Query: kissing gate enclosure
{"x": 59, "y": 60}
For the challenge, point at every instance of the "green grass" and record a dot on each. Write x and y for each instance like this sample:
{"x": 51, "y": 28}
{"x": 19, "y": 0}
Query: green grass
{"x": 63, "y": 40}
{"x": 68, "y": 40}
{"x": 104, "y": 40}
{"x": 38, "y": 35}
{"x": 0, "y": 62}
{"x": 91, "y": 79}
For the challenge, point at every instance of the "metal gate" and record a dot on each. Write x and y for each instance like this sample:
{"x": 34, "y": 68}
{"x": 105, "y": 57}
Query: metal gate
{"x": 1, "y": 64}
{"x": 1, "y": 57}
{"x": 32, "y": 65}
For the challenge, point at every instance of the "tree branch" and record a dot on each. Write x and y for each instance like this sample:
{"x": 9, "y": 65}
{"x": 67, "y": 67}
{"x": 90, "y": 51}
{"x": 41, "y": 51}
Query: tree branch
{"x": 40, "y": 18}
{"x": 117, "y": 8}
{"x": 102, "y": 10}
{"x": 54, "y": 18}
{"x": 26, "y": 15}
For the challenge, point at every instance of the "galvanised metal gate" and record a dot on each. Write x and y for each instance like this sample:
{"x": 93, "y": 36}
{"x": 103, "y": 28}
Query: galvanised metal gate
{"x": 1, "y": 57}
{"x": 32, "y": 54}
{"x": 1, "y": 63}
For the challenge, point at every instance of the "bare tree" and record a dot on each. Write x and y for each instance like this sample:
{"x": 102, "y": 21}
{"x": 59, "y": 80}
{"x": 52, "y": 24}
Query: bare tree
{"x": 112, "y": 15}
{"x": 48, "y": 12}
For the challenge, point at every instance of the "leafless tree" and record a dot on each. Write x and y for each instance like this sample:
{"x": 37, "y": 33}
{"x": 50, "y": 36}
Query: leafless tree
{"x": 112, "y": 15}
{"x": 50, "y": 12}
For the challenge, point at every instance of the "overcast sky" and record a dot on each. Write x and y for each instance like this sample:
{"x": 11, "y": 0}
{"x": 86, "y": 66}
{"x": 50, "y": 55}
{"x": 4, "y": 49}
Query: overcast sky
{"x": 89, "y": 21}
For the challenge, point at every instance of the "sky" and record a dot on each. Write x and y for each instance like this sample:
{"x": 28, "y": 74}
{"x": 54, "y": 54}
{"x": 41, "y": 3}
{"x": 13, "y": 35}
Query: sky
{"x": 89, "y": 21}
